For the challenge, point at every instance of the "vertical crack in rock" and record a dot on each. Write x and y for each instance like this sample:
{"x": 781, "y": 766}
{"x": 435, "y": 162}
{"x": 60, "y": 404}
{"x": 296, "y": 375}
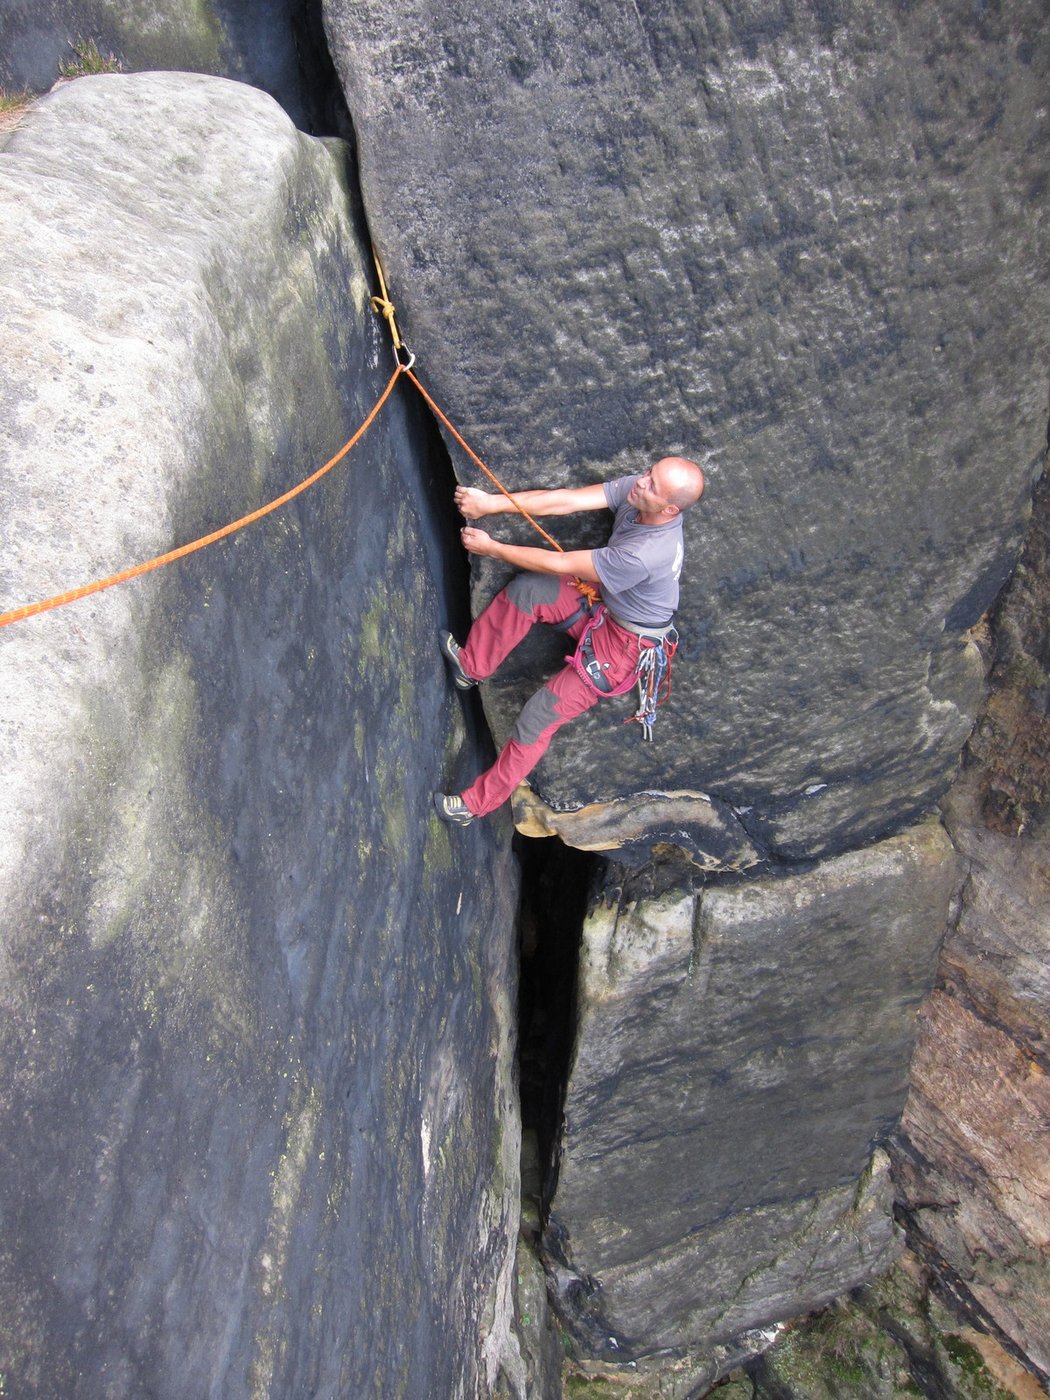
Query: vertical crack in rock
{"x": 556, "y": 882}
{"x": 324, "y": 102}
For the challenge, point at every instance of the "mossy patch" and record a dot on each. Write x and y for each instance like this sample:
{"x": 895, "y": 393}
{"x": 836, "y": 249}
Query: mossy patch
{"x": 86, "y": 59}
{"x": 839, "y": 1355}
{"x": 620, "y": 1385}
{"x": 966, "y": 1367}
{"x": 890, "y": 1340}
{"x": 13, "y": 107}
{"x": 582, "y": 1388}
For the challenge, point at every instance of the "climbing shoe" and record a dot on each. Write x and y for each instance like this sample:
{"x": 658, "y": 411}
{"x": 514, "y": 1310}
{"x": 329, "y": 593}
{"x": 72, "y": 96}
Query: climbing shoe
{"x": 450, "y": 651}
{"x": 451, "y": 808}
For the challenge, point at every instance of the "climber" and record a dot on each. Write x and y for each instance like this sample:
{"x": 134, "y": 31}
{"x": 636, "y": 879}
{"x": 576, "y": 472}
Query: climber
{"x": 637, "y": 573}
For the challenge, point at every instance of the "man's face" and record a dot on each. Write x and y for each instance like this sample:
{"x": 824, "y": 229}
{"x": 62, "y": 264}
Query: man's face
{"x": 645, "y": 495}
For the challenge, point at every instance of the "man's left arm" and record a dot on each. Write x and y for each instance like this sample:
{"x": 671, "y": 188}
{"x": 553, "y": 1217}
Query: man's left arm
{"x": 578, "y": 563}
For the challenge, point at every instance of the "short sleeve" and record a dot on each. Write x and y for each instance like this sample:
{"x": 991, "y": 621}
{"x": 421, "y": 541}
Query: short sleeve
{"x": 619, "y": 569}
{"x": 616, "y": 492}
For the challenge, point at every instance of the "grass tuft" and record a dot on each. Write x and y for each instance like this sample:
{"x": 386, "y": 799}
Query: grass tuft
{"x": 87, "y": 60}
{"x": 13, "y": 107}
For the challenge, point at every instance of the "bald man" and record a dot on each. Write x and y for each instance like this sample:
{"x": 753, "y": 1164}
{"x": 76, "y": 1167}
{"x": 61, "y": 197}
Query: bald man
{"x": 637, "y": 573}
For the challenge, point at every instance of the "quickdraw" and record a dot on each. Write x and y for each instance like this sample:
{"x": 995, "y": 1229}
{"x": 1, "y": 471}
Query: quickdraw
{"x": 653, "y": 674}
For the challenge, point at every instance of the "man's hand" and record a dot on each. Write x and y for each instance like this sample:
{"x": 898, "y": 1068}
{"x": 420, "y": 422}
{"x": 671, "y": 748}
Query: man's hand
{"x": 577, "y": 563}
{"x": 476, "y": 541}
{"x": 562, "y": 500}
{"x": 473, "y": 503}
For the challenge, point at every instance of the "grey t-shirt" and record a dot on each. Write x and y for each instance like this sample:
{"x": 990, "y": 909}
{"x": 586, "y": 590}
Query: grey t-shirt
{"x": 640, "y": 567}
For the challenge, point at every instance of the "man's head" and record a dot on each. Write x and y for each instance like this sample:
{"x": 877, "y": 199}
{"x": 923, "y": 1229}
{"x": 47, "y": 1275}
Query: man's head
{"x": 670, "y": 486}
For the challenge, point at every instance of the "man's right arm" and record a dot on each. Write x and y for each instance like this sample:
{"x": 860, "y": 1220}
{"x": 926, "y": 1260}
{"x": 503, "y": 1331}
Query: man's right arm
{"x": 561, "y": 500}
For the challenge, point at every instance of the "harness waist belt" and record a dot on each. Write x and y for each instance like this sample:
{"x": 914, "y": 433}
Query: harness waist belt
{"x": 640, "y": 631}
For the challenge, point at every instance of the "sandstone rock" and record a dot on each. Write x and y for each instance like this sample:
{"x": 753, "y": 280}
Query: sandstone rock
{"x": 256, "y": 1115}
{"x": 739, "y": 1052}
{"x": 639, "y": 829}
{"x": 973, "y": 1166}
{"x": 972, "y": 1163}
{"x": 887, "y": 1340}
{"x": 266, "y": 44}
{"x": 998, "y": 955}
{"x": 975, "y": 1170}
{"x": 807, "y": 246}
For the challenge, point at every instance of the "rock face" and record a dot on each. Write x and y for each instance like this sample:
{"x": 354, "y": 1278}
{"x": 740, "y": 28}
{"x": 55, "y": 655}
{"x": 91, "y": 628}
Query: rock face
{"x": 257, "y": 1113}
{"x": 257, "y": 1107}
{"x": 805, "y": 245}
{"x": 271, "y": 44}
{"x": 740, "y": 1051}
{"x": 891, "y": 1338}
{"x": 972, "y": 1159}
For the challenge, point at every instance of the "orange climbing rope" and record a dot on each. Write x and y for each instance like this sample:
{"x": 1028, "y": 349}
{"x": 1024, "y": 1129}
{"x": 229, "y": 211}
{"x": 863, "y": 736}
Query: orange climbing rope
{"x": 479, "y": 463}
{"x": 32, "y": 609}
{"x": 588, "y": 590}
{"x": 384, "y": 307}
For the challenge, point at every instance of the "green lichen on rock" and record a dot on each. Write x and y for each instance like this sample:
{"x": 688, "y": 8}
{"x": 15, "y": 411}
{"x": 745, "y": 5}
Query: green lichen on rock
{"x": 184, "y": 34}
{"x": 890, "y": 1340}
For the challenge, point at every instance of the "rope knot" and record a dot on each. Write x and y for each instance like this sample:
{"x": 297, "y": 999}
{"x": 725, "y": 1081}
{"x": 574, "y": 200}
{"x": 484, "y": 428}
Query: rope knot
{"x": 384, "y": 307}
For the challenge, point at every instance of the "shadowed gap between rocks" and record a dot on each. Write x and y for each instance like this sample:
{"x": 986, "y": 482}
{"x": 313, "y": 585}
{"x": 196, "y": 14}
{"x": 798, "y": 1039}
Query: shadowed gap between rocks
{"x": 324, "y": 102}
{"x": 557, "y": 880}
{"x": 556, "y": 885}
{"x": 560, "y": 885}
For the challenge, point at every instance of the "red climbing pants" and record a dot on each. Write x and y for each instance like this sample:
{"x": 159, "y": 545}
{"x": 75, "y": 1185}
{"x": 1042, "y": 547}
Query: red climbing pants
{"x": 528, "y": 599}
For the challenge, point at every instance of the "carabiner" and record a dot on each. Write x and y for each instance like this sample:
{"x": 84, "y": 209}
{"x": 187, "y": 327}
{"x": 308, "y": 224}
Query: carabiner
{"x": 383, "y": 306}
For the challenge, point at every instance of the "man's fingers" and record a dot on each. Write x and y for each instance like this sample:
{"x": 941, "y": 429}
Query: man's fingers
{"x": 469, "y": 500}
{"x": 474, "y": 540}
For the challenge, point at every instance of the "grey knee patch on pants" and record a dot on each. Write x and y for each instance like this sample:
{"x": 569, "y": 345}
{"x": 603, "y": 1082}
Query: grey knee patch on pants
{"x": 538, "y": 713}
{"x": 527, "y": 591}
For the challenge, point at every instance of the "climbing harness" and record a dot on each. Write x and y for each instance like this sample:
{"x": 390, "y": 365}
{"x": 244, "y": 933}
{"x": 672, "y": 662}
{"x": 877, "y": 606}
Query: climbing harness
{"x": 587, "y": 664}
{"x": 585, "y": 609}
{"x": 651, "y": 674}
